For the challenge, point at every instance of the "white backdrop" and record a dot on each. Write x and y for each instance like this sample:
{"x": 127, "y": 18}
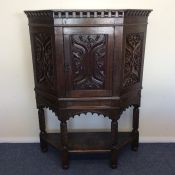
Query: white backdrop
{"x": 18, "y": 114}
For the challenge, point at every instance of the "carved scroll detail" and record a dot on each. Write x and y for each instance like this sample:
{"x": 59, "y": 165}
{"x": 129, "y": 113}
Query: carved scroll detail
{"x": 44, "y": 62}
{"x": 133, "y": 59}
{"x": 88, "y": 61}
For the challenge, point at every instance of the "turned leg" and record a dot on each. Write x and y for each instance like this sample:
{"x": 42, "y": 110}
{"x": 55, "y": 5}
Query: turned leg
{"x": 42, "y": 125}
{"x": 64, "y": 143}
{"x": 135, "y": 132}
{"x": 114, "y": 150}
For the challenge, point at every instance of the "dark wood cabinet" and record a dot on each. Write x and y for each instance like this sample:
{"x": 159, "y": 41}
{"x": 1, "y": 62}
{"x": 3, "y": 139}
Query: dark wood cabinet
{"x": 88, "y": 61}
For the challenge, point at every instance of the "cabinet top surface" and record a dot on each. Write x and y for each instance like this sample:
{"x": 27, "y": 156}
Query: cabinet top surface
{"x": 88, "y": 13}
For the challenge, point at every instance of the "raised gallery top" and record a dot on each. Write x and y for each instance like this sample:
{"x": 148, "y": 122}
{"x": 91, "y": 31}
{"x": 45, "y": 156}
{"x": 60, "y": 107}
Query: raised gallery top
{"x": 90, "y": 13}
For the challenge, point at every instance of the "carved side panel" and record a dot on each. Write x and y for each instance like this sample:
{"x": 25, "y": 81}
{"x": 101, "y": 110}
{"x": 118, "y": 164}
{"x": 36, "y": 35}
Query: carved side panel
{"x": 44, "y": 61}
{"x": 88, "y": 57}
{"x": 133, "y": 59}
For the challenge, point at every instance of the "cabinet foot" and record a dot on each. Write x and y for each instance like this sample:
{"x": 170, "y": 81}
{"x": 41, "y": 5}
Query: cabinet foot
{"x": 114, "y": 154}
{"x": 65, "y": 159}
{"x": 135, "y": 144}
{"x": 135, "y": 132}
{"x": 42, "y": 124}
{"x": 134, "y": 148}
{"x": 43, "y": 145}
{"x": 65, "y": 167}
{"x": 113, "y": 166}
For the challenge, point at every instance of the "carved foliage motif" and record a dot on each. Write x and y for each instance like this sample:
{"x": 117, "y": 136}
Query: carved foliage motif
{"x": 44, "y": 59}
{"x": 133, "y": 59}
{"x": 88, "y": 53}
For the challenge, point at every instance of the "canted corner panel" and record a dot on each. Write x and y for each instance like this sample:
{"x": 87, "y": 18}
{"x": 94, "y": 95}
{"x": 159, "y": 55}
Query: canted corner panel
{"x": 132, "y": 59}
{"x": 43, "y": 60}
{"x": 88, "y": 57}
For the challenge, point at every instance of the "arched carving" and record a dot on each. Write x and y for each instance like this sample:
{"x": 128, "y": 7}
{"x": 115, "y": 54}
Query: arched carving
{"x": 124, "y": 108}
{"x": 78, "y": 113}
{"x": 44, "y": 103}
{"x": 106, "y": 113}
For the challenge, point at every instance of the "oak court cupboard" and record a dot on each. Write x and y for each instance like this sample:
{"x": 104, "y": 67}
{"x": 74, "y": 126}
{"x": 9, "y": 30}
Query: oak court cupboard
{"x": 88, "y": 61}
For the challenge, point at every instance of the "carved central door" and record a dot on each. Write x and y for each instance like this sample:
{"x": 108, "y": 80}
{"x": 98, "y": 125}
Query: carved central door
{"x": 88, "y": 61}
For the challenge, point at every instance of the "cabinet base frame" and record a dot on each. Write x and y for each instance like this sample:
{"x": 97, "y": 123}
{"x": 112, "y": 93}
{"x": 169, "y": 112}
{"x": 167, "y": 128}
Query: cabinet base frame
{"x": 89, "y": 142}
